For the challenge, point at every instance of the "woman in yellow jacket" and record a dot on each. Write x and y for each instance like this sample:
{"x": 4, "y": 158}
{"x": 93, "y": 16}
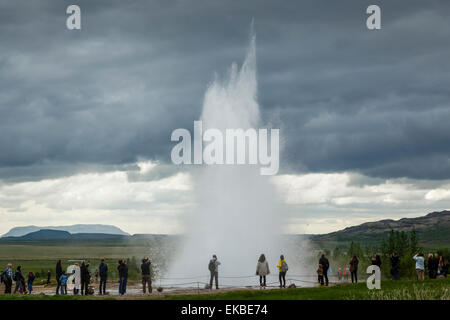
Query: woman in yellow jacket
{"x": 282, "y": 268}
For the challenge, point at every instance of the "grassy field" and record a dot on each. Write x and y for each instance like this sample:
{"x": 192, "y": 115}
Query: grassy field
{"x": 42, "y": 257}
{"x": 438, "y": 289}
{"x": 52, "y": 252}
{"x": 39, "y": 258}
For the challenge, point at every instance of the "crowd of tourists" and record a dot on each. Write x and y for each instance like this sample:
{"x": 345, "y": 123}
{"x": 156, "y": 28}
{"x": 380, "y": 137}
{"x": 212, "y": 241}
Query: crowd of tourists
{"x": 262, "y": 270}
{"x": 79, "y": 276}
{"x": 436, "y": 265}
{"x": 81, "y": 280}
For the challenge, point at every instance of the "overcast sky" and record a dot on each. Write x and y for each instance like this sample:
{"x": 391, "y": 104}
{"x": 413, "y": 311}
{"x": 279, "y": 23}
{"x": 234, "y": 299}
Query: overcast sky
{"x": 86, "y": 115}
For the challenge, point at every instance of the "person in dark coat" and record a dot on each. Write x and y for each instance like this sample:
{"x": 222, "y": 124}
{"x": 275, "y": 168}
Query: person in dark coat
{"x": 430, "y": 266}
{"x": 325, "y": 266}
{"x": 30, "y": 281}
{"x": 103, "y": 273}
{"x": 436, "y": 265}
{"x": 7, "y": 278}
{"x": 445, "y": 268}
{"x": 354, "y": 269}
{"x": 85, "y": 277}
{"x": 58, "y": 275}
{"x": 213, "y": 267}
{"x": 120, "y": 278}
{"x": 395, "y": 266}
{"x": 20, "y": 280}
{"x": 49, "y": 275}
{"x": 146, "y": 274}
{"x": 378, "y": 260}
{"x": 123, "y": 276}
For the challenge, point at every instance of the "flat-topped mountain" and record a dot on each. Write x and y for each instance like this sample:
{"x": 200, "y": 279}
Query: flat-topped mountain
{"x": 73, "y": 229}
{"x": 432, "y": 229}
{"x": 46, "y": 234}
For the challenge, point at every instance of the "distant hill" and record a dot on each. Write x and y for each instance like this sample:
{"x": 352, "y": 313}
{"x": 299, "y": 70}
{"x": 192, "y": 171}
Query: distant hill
{"x": 58, "y": 237}
{"x": 432, "y": 228}
{"x": 46, "y": 234}
{"x": 73, "y": 229}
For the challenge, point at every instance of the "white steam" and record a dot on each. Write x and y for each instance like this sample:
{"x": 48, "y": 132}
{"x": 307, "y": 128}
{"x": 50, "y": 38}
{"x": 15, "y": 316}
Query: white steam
{"x": 238, "y": 216}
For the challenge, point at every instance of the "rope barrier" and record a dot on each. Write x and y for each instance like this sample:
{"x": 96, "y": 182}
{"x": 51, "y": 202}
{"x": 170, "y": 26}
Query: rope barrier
{"x": 294, "y": 278}
{"x": 235, "y": 277}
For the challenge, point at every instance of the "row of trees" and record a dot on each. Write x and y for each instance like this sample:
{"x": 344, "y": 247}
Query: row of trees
{"x": 405, "y": 244}
{"x": 400, "y": 242}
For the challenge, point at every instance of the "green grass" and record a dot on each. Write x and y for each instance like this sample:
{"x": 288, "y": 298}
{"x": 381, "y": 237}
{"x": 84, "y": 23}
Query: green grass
{"x": 41, "y": 251}
{"x": 41, "y": 257}
{"x": 44, "y": 297}
{"x": 393, "y": 290}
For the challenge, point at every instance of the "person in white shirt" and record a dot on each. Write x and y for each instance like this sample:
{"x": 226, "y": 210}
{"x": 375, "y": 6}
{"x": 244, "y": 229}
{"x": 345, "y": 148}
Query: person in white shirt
{"x": 420, "y": 265}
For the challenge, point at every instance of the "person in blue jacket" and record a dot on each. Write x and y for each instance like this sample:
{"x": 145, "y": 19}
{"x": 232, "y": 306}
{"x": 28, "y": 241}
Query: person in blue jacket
{"x": 63, "y": 283}
{"x": 103, "y": 273}
{"x": 30, "y": 280}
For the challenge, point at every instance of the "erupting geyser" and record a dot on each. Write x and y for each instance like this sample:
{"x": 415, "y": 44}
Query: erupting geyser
{"x": 238, "y": 216}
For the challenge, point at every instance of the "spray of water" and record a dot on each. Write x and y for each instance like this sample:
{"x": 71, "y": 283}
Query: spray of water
{"x": 238, "y": 215}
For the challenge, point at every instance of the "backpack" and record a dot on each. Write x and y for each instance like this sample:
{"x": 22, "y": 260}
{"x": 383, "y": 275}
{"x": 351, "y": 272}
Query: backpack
{"x": 211, "y": 266}
{"x": 284, "y": 267}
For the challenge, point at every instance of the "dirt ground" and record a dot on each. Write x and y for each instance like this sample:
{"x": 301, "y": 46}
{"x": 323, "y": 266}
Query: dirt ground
{"x": 134, "y": 290}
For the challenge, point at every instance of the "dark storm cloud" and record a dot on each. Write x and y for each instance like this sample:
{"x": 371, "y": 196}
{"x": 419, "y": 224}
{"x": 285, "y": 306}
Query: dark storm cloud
{"x": 346, "y": 98}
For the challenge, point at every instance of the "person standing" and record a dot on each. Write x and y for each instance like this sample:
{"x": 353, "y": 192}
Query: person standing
{"x": 436, "y": 265}
{"x": 30, "y": 280}
{"x": 440, "y": 268}
{"x": 146, "y": 274}
{"x": 85, "y": 278}
{"x": 63, "y": 282}
{"x": 20, "y": 280}
{"x": 96, "y": 276}
{"x": 123, "y": 276}
{"x": 325, "y": 265}
{"x": 7, "y": 277}
{"x": 213, "y": 267}
{"x": 282, "y": 269}
{"x": 378, "y": 261}
{"x": 77, "y": 278}
{"x": 430, "y": 266}
{"x": 320, "y": 275}
{"x": 420, "y": 265}
{"x": 262, "y": 270}
{"x": 119, "y": 264}
{"x": 445, "y": 268}
{"x": 395, "y": 266}
{"x": 354, "y": 269}
{"x": 58, "y": 275}
{"x": 103, "y": 273}
{"x": 49, "y": 275}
